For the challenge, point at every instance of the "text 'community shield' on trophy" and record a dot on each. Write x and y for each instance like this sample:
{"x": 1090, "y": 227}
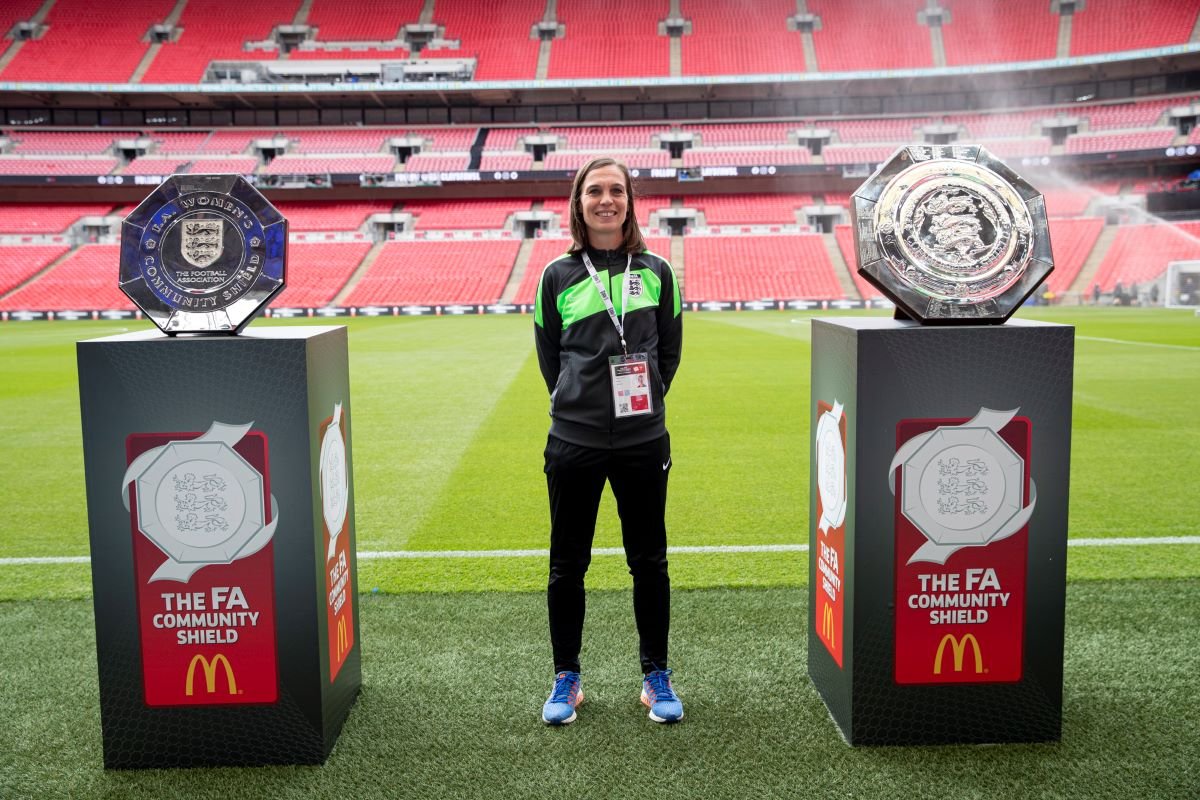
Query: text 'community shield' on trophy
{"x": 951, "y": 235}
{"x": 203, "y": 254}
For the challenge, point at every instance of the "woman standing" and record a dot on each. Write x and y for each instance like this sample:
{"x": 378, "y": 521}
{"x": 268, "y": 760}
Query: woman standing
{"x": 609, "y": 329}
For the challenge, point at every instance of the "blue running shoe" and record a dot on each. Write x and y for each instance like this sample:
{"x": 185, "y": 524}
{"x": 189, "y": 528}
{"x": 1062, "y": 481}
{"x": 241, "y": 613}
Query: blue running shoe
{"x": 659, "y": 696}
{"x": 566, "y": 697}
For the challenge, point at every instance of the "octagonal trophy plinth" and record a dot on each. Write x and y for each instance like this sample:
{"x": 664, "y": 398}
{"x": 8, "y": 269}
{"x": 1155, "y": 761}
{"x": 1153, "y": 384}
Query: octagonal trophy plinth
{"x": 939, "y": 467}
{"x": 203, "y": 254}
{"x": 951, "y": 235}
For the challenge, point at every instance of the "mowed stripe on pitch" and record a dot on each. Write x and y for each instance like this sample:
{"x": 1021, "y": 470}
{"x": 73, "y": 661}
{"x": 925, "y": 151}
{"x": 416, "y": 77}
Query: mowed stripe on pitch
{"x": 366, "y": 555}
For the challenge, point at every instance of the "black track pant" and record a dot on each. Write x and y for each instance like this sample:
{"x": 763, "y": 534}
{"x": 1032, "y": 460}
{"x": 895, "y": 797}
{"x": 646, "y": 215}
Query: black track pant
{"x": 575, "y": 477}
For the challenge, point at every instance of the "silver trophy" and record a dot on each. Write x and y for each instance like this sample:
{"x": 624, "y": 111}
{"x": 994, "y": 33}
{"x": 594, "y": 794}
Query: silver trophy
{"x": 203, "y": 254}
{"x": 951, "y": 235}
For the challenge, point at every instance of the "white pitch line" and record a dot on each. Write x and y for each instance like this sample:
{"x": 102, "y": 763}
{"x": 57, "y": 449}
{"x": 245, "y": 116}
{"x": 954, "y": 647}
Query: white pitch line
{"x": 368, "y": 555}
{"x": 1140, "y": 344}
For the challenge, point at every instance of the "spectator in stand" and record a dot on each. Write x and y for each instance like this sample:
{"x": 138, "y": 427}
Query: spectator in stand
{"x": 1095, "y": 294}
{"x": 605, "y": 313}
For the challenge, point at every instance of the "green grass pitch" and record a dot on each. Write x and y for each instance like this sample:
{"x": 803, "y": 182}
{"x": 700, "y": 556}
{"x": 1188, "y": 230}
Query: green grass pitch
{"x": 449, "y": 424}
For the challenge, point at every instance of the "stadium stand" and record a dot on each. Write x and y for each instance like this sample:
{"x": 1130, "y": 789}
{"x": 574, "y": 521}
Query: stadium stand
{"x": 508, "y": 138}
{"x": 317, "y": 272}
{"x": 733, "y": 134}
{"x": 890, "y": 26}
{"x": 746, "y": 157}
{"x": 857, "y": 154}
{"x": 32, "y": 142}
{"x": 500, "y": 42}
{"x": 546, "y": 250}
{"x": 749, "y": 209}
{"x": 616, "y": 137}
{"x": 900, "y": 131}
{"x": 463, "y": 214}
{"x": 43, "y": 218}
{"x": 337, "y": 140}
{"x": 89, "y": 41}
{"x": 591, "y": 48}
{"x": 845, "y": 240}
{"x": 307, "y": 165}
{"x": 995, "y": 126}
{"x": 986, "y": 33}
{"x": 153, "y": 165}
{"x": 241, "y": 166}
{"x": 1072, "y": 241}
{"x": 505, "y": 161}
{"x": 1140, "y": 253}
{"x": 83, "y": 280}
{"x": 20, "y": 263}
{"x": 436, "y": 272}
{"x": 346, "y": 215}
{"x": 429, "y": 162}
{"x": 565, "y": 159}
{"x": 1016, "y": 148}
{"x": 1109, "y": 27}
{"x": 782, "y": 267}
{"x": 370, "y": 20}
{"x": 1127, "y": 140}
{"x": 18, "y": 165}
{"x": 210, "y": 33}
{"x": 727, "y": 41}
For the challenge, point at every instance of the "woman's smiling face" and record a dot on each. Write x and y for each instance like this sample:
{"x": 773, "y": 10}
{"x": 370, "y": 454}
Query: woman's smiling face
{"x": 604, "y": 201}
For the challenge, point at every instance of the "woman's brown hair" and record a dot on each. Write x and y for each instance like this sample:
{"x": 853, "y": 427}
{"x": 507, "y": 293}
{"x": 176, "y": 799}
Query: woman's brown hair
{"x": 631, "y": 238}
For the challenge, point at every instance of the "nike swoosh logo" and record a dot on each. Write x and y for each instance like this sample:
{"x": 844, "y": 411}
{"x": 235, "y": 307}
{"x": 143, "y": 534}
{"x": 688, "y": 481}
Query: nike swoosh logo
{"x": 667, "y": 465}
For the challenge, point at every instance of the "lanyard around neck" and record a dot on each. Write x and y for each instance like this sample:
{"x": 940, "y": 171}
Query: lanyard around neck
{"x": 618, "y": 323}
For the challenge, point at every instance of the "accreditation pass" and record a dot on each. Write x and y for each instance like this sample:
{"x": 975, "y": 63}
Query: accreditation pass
{"x": 631, "y": 384}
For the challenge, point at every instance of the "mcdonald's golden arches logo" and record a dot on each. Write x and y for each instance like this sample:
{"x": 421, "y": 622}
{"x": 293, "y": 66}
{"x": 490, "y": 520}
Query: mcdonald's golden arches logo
{"x": 958, "y": 649}
{"x": 210, "y": 674}
{"x": 343, "y": 638}
{"x": 827, "y": 629}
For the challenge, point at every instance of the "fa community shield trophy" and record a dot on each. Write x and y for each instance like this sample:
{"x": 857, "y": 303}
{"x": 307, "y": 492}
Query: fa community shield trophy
{"x": 203, "y": 254}
{"x": 951, "y": 235}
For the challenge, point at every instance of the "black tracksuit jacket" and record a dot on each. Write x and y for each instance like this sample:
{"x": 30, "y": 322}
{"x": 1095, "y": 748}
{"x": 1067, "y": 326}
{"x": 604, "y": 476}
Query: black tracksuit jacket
{"x": 575, "y": 336}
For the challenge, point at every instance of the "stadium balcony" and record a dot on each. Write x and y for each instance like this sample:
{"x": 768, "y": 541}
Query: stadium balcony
{"x": 1141, "y": 253}
{"x": 45, "y": 218}
{"x": 317, "y": 272}
{"x": 21, "y": 262}
{"x": 870, "y": 35}
{"x": 88, "y": 42}
{"x": 463, "y": 214}
{"x": 745, "y": 157}
{"x": 984, "y": 33}
{"x": 784, "y": 267}
{"x": 430, "y": 272}
{"x": 1111, "y": 27}
{"x": 84, "y": 280}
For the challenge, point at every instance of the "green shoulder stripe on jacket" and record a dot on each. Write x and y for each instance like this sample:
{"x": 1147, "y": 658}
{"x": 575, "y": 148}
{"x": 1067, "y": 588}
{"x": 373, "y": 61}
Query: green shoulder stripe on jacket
{"x": 674, "y": 282}
{"x": 537, "y": 300}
